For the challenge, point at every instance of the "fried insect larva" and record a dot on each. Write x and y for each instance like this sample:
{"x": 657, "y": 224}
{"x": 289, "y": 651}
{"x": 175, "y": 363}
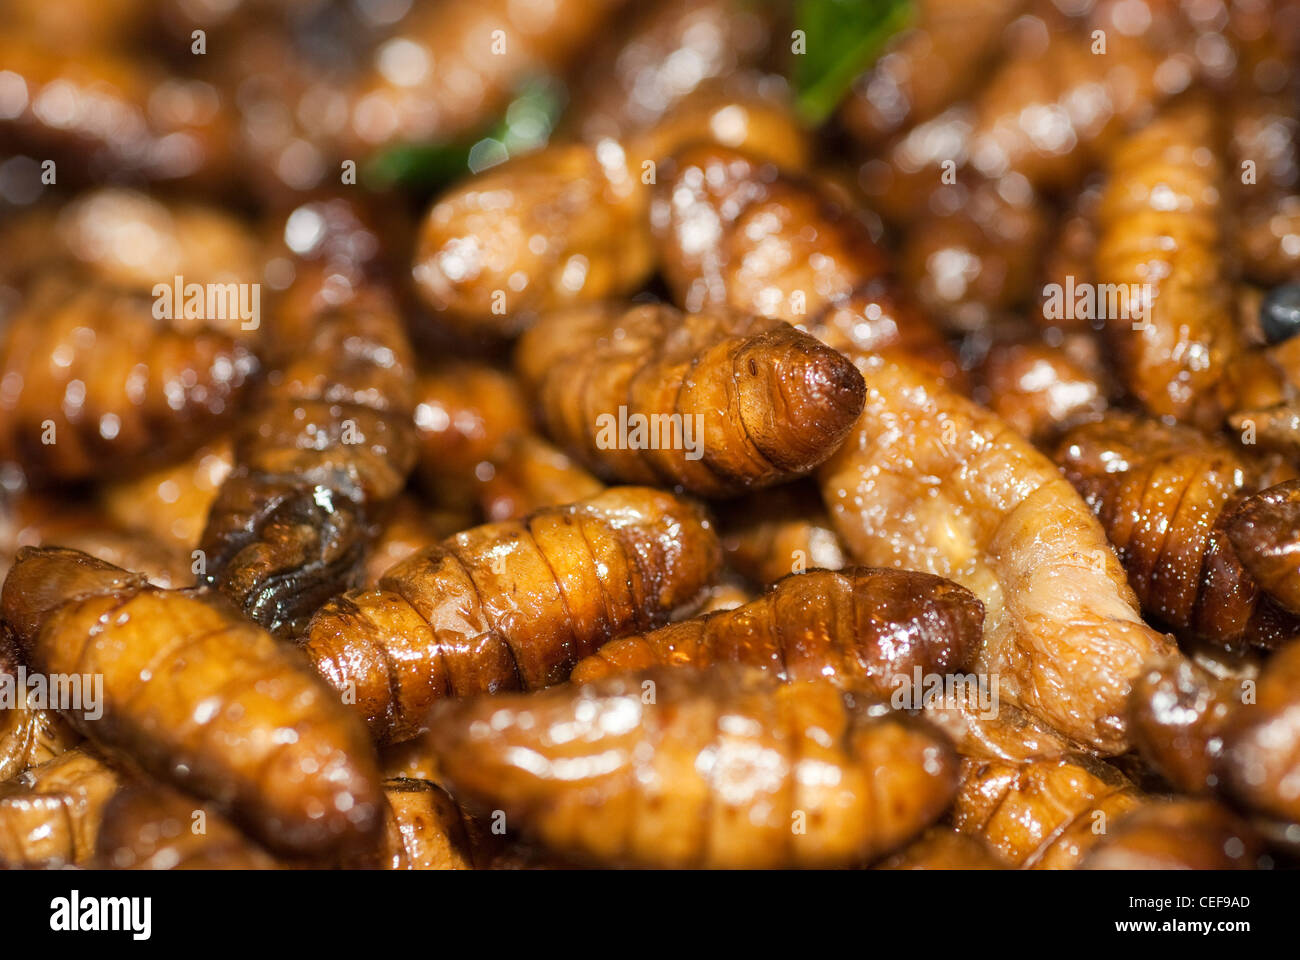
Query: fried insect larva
{"x": 929, "y": 66}
{"x": 198, "y": 242}
{"x": 152, "y": 827}
{"x": 711, "y": 402}
{"x": 548, "y": 230}
{"x": 1178, "y": 835}
{"x": 464, "y": 411}
{"x": 771, "y": 533}
{"x": 864, "y": 630}
{"x": 1167, "y": 495}
{"x": 686, "y": 768}
{"x": 510, "y": 605}
{"x": 112, "y": 117}
{"x": 569, "y": 224}
{"x": 1039, "y": 389}
{"x": 528, "y": 473}
{"x": 1177, "y": 713}
{"x": 425, "y": 829}
{"x": 171, "y": 502}
{"x": 483, "y": 49}
{"x": 634, "y": 78}
{"x": 736, "y": 233}
{"x": 199, "y": 697}
{"x": 50, "y": 815}
{"x": 43, "y": 520}
{"x": 329, "y": 442}
{"x": 968, "y": 265}
{"x": 29, "y": 734}
{"x": 1161, "y": 243}
{"x": 1265, "y": 533}
{"x": 1042, "y": 815}
{"x": 943, "y": 848}
{"x": 1259, "y": 765}
{"x": 930, "y": 481}
{"x": 133, "y": 390}
{"x": 1000, "y": 732}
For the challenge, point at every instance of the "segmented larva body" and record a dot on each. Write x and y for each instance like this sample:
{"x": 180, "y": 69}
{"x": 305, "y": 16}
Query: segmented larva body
{"x": 91, "y": 383}
{"x": 1042, "y": 815}
{"x": 931, "y": 481}
{"x": 1167, "y": 496}
{"x": 722, "y": 403}
{"x": 1161, "y": 245}
{"x": 511, "y": 605}
{"x": 1179, "y": 834}
{"x": 684, "y": 768}
{"x": 200, "y": 697}
{"x": 425, "y": 830}
{"x": 329, "y": 442}
{"x": 152, "y": 827}
{"x": 862, "y": 629}
{"x": 738, "y": 234}
{"x": 50, "y": 815}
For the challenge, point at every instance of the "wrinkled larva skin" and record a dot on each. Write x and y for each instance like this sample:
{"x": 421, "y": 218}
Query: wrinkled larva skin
{"x": 1178, "y": 835}
{"x": 29, "y": 735}
{"x": 1265, "y": 534}
{"x": 134, "y": 391}
{"x": 762, "y": 402}
{"x": 734, "y": 232}
{"x": 931, "y": 481}
{"x": 699, "y": 769}
{"x": 1167, "y": 497}
{"x": 1160, "y": 226}
{"x": 147, "y": 826}
{"x": 1042, "y": 815}
{"x": 50, "y": 815}
{"x": 425, "y": 830}
{"x": 328, "y": 443}
{"x": 510, "y": 606}
{"x": 864, "y": 630}
{"x": 273, "y": 748}
{"x": 943, "y": 56}
{"x": 771, "y": 533}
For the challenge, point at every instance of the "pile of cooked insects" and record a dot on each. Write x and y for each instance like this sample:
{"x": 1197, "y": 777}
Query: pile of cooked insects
{"x": 687, "y": 478}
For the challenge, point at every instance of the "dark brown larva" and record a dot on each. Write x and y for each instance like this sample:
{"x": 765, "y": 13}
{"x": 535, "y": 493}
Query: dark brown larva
{"x": 1167, "y": 496}
{"x": 330, "y": 439}
{"x": 865, "y": 630}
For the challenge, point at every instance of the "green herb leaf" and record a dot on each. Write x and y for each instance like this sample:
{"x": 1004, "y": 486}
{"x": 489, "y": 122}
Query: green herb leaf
{"x": 525, "y": 125}
{"x": 842, "y": 38}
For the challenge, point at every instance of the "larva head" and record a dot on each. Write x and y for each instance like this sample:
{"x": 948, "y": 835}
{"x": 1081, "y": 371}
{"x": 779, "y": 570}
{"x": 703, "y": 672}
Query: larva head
{"x": 798, "y": 397}
{"x": 672, "y": 536}
{"x": 43, "y": 579}
{"x": 1265, "y": 533}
